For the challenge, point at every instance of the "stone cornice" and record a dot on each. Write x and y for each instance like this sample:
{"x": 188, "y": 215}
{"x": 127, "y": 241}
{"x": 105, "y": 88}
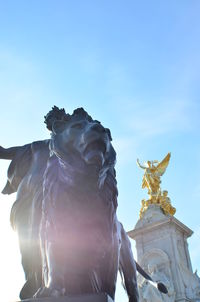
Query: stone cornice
{"x": 160, "y": 224}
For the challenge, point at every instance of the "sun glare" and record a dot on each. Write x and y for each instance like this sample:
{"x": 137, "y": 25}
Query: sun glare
{"x": 12, "y": 276}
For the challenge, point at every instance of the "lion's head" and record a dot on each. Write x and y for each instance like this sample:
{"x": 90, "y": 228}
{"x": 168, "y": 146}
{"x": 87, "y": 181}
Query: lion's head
{"x": 83, "y": 138}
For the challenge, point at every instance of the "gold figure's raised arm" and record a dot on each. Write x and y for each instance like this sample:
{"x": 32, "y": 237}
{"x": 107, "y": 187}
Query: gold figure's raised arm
{"x": 162, "y": 166}
{"x": 139, "y": 165}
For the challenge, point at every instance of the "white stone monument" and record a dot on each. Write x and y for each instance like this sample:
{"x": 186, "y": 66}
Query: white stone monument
{"x": 161, "y": 243}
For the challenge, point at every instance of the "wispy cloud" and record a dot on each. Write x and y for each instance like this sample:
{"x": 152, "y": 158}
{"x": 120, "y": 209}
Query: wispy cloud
{"x": 142, "y": 122}
{"x": 157, "y": 118}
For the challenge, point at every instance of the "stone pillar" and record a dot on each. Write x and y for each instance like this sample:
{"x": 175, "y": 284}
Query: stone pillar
{"x": 162, "y": 249}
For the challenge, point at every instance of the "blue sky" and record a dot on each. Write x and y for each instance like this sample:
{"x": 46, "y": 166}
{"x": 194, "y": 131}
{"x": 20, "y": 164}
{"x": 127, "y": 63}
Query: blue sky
{"x": 133, "y": 65}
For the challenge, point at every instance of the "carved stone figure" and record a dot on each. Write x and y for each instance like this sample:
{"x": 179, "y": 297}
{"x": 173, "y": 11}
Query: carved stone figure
{"x": 65, "y": 212}
{"x": 190, "y": 280}
{"x": 149, "y": 293}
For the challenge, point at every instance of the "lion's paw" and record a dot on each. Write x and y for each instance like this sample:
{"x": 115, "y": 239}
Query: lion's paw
{"x": 44, "y": 292}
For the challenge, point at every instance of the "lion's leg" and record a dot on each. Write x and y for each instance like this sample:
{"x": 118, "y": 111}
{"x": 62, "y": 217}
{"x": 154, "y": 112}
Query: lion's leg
{"x": 109, "y": 267}
{"x": 113, "y": 270}
{"x": 56, "y": 266}
{"x": 128, "y": 267}
{"x": 52, "y": 262}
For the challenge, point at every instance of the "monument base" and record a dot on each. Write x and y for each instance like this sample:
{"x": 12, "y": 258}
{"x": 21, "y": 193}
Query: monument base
{"x": 81, "y": 298}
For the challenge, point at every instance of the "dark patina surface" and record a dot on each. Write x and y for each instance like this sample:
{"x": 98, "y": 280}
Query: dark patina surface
{"x": 70, "y": 240}
{"x": 81, "y": 298}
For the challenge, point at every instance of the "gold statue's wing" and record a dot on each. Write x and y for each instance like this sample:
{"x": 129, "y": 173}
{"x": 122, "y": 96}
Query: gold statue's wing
{"x": 162, "y": 166}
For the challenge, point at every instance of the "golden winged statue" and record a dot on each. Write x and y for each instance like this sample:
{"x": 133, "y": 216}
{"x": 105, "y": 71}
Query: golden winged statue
{"x": 151, "y": 180}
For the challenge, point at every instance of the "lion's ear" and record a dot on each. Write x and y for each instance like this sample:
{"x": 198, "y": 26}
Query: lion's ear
{"x": 58, "y": 126}
{"x": 109, "y": 133}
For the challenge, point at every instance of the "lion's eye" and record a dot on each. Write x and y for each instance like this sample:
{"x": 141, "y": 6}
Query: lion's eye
{"x": 77, "y": 126}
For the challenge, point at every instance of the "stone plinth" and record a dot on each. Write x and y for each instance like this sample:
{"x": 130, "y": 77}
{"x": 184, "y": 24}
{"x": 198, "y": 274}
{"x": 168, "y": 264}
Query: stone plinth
{"x": 82, "y": 298}
{"x": 162, "y": 250}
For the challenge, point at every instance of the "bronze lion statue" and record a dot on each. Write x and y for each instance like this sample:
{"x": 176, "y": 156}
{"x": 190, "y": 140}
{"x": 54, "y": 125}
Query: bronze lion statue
{"x": 70, "y": 239}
